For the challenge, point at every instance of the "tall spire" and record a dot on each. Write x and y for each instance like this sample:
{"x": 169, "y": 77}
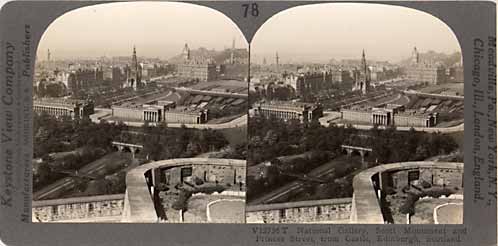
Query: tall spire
{"x": 277, "y": 58}
{"x": 186, "y": 52}
{"x": 415, "y": 55}
{"x": 363, "y": 61}
{"x": 48, "y": 55}
{"x": 232, "y": 55}
{"x": 134, "y": 60}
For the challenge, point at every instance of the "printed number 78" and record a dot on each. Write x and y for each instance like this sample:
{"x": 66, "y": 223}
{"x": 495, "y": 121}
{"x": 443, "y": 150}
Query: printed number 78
{"x": 251, "y": 9}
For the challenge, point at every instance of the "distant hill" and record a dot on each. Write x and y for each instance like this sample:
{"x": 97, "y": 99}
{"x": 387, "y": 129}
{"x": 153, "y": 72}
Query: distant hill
{"x": 219, "y": 57}
{"x": 432, "y": 57}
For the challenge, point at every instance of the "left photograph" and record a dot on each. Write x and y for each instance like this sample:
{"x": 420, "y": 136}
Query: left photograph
{"x": 140, "y": 116}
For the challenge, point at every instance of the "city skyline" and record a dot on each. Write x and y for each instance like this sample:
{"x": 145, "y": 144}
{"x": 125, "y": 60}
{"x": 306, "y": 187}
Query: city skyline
{"x": 299, "y": 33}
{"x": 86, "y": 32}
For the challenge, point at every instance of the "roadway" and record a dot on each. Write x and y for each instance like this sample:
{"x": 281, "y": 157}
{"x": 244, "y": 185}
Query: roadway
{"x": 235, "y": 123}
{"x": 330, "y": 116}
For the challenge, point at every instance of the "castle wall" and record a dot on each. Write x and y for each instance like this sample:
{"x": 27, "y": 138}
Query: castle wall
{"x": 366, "y": 204}
{"x": 77, "y": 208}
{"x": 330, "y": 210}
{"x": 434, "y": 176}
{"x": 209, "y": 173}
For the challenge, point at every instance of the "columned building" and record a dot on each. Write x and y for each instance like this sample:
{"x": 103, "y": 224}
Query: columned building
{"x": 75, "y": 109}
{"x": 389, "y": 115}
{"x": 304, "y": 112}
{"x": 160, "y": 113}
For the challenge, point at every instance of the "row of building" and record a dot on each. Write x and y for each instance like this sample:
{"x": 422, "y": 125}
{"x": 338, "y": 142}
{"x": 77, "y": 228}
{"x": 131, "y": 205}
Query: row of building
{"x": 59, "y": 107}
{"x": 389, "y": 115}
{"x": 206, "y": 68}
{"x": 308, "y": 82}
{"x": 284, "y": 110}
{"x": 136, "y": 74}
{"x": 432, "y": 73}
{"x": 163, "y": 111}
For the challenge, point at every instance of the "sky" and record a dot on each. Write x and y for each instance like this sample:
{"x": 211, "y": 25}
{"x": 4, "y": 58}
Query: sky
{"x": 320, "y": 32}
{"x": 311, "y": 33}
{"x": 158, "y": 29}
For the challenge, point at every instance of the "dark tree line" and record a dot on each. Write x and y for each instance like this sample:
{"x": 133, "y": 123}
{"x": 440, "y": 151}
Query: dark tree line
{"x": 83, "y": 141}
{"x": 50, "y": 89}
{"x": 162, "y": 143}
{"x": 64, "y": 134}
{"x": 271, "y": 138}
{"x": 274, "y": 140}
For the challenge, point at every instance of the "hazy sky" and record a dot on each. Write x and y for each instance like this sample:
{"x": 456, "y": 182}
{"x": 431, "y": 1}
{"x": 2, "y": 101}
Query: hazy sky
{"x": 312, "y": 33}
{"x": 158, "y": 29}
{"x": 341, "y": 30}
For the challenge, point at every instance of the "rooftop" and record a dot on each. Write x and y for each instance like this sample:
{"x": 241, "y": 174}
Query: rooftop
{"x": 287, "y": 104}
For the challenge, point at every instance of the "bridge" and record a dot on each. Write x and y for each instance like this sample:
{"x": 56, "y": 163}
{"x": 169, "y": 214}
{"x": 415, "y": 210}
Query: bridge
{"x": 362, "y": 150}
{"x": 134, "y": 148}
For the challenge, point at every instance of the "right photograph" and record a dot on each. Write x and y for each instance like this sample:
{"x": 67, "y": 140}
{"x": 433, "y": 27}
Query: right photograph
{"x": 356, "y": 117}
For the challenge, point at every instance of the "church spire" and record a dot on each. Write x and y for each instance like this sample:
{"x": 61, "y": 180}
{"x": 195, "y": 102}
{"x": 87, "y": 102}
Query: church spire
{"x": 277, "y": 58}
{"x": 363, "y": 61}
{"x": 186, "y": 52}
{"x": 232, "y": 52}
{"x": 415, "y": 55}
{"x": 134, "y": 60}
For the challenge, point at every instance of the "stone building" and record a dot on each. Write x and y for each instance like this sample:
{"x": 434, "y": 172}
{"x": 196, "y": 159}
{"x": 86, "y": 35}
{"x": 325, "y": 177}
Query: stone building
{"x": 79, "y": 208}
{"x": 202, "y": 69}
{"x": 390, "y": 114}
{"x": 304, "y": 112}
{"x": 75, "y": 109}
{"x": 83, "y": 79}
{"x": 456, "y": 74}
{"x": 113, "y": 75}
{"x": 424, "y": 72}
{"x": 340, "y": 76}
{"x": 313, "y": 211}
{"x": 160, "y": 113}
{"x": 309, "y": 83}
